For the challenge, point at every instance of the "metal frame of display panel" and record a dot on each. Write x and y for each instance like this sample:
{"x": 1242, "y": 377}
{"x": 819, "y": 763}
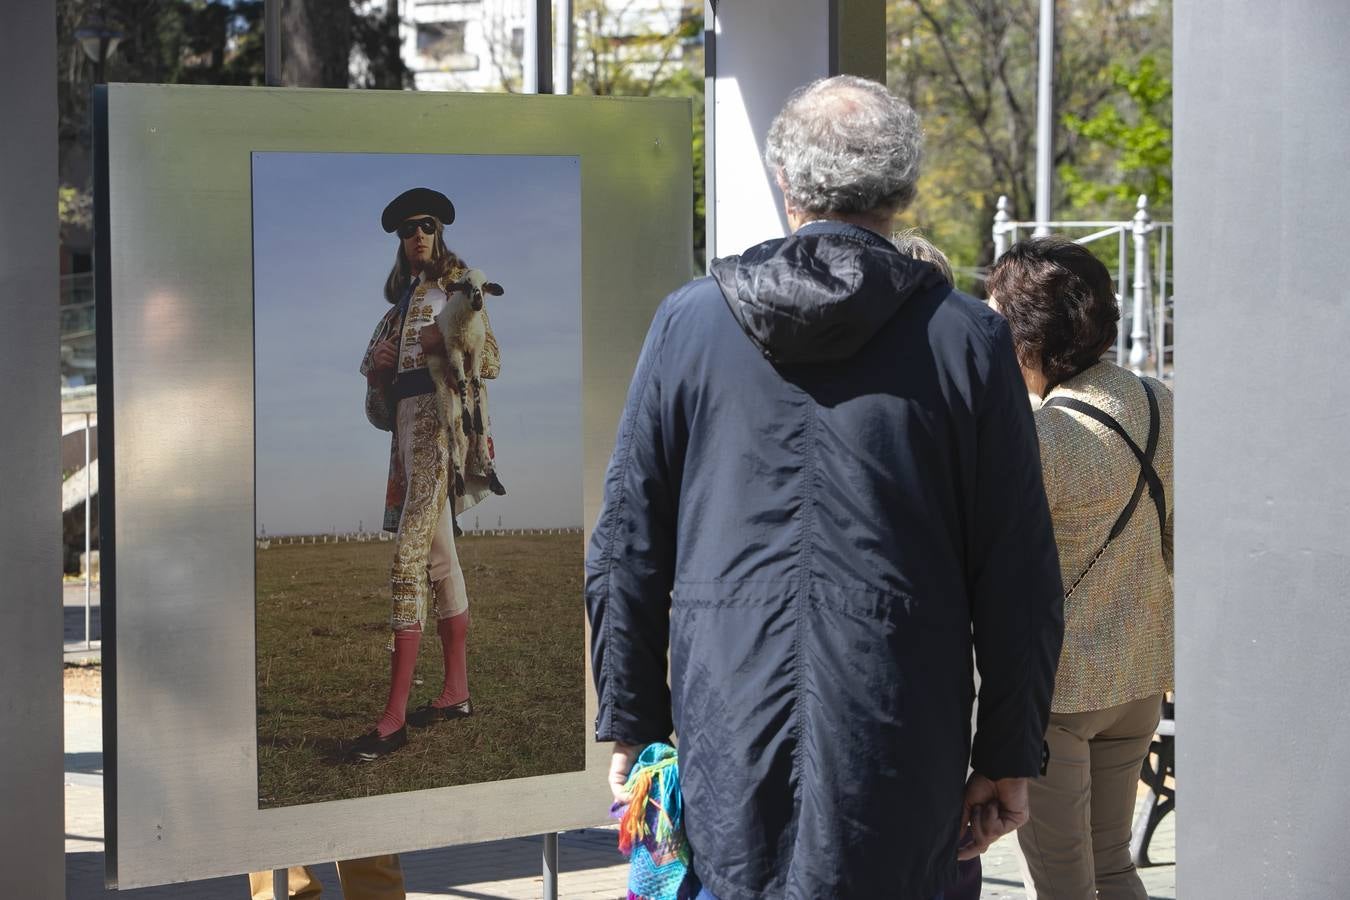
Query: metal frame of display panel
{"x": 177, "y": 442}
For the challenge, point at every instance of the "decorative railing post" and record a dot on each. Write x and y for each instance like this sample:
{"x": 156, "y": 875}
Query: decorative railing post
{"x": 1139, "y": 331}
{"x": 1001, "y": 220}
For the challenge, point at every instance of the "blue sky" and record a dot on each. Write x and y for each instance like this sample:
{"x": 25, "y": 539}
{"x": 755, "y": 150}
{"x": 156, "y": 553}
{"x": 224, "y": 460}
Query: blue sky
{"x": 320, "y": 261}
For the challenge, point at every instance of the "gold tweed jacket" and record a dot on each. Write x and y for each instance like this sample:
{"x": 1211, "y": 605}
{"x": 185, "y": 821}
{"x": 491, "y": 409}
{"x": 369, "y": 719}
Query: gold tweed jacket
{"x": 1118, "y": 623}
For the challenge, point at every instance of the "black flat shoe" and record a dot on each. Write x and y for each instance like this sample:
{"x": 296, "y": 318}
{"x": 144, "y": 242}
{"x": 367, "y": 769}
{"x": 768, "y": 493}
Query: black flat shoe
{"x": 370, "y": 746}
{"x": 426, "y": 714}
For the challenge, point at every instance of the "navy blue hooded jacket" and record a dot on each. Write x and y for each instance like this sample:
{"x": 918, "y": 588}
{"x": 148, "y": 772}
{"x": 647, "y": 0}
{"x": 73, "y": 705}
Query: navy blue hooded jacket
{"x": 826, "y": 484}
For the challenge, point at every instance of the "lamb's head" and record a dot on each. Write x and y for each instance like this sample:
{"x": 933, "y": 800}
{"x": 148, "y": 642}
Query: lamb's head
{"x": 475, "y": 284}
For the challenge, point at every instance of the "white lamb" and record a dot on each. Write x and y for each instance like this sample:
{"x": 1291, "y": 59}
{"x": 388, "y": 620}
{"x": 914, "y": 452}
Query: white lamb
{"x": 461, "y": 324}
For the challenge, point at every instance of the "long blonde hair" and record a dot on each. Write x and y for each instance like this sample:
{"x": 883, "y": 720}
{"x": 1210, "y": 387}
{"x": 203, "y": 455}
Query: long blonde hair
{"x": 443, "y": 259}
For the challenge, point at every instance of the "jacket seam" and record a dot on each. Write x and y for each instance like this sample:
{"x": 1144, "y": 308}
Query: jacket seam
{"x": 803, "y": 599}
{"x": 616, "y": 518}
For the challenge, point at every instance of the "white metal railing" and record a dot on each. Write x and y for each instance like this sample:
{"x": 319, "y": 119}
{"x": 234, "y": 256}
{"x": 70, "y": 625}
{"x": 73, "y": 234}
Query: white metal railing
{"x": 1145, "y": 340}
{"x": 82, "y": 487}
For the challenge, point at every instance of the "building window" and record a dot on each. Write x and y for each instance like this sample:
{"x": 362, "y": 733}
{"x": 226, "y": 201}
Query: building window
{"x": 440, "y": 40}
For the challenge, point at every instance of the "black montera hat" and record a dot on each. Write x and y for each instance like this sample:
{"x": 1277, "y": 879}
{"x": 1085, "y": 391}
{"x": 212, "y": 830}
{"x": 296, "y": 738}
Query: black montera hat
{"x": 417, "y": 202}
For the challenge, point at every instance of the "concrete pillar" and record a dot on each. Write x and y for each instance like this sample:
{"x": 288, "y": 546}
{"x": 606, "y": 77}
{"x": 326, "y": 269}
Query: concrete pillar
{"x": 1262, "y": 148}
{"x": 32, "y": 821}
{"x": 757, "y": 52}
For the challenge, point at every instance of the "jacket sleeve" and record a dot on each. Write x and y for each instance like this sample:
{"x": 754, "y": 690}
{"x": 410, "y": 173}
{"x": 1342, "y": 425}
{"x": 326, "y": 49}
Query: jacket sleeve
{"x": 630, "y": 566}
{"x": 379, "y": 410}
{"x": 1017, "y": 597}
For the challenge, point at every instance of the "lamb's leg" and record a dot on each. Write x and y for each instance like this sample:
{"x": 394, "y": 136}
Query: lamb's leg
{"x": 478, "y": 405}
{"x": 457, "y": 455}
{"x": 465, "y": 418}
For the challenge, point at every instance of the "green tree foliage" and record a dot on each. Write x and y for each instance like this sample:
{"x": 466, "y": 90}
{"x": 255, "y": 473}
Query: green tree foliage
{"x": 969, "y": 68}
{"x": 1125, "y": 145}
{"x": 213, "y": 42}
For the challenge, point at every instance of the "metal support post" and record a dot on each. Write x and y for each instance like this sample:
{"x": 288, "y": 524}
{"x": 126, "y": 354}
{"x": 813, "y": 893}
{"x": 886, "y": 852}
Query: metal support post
{"x": 1139, "y": 331}
{"x": 272, "y": 42}
{"x": 537, "y": 66}
{"x": 1122, "y": 266}
{"x": 281, "y": 884}
{"x": 1160, "y": 305}
{"x": 1045, "y": 116}
{"x": 566, "y": 42}
{"x": 1001, "y": 219}
{"x": 551, "y": 865}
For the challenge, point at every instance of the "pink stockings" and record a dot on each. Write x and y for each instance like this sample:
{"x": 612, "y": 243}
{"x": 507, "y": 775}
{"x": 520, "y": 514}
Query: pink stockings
{"x": 454, "y": 632}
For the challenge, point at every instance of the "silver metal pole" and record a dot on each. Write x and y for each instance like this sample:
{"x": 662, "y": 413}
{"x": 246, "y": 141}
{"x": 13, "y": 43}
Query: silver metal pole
{"x": 1142, "y": 282}
{"x": 1045, "y": 122}
{"x": 88, "y": 558}
{"x": 272, "y": 42}
{"x": 537, "y": 66}
{"x": 551, "y": 866}
{"x": 566, "y": 39}
{"x": 281, "y": 885}
{"x": 1160, "y": 317}
{"x": 1121, "y": 269}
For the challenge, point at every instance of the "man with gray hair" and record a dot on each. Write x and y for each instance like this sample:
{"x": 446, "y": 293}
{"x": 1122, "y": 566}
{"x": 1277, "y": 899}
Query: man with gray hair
{"x": 826, "y": 486}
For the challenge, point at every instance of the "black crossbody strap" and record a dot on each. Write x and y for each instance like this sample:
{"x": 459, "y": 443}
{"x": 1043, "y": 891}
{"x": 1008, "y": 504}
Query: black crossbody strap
{"x": 1148, "y": 475}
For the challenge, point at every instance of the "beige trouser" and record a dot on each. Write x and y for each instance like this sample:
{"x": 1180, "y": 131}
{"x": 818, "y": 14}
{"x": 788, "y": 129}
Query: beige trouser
{"x": 369, "y": 878}
{"x": 1076, "y": 845}
{"x": 425, "y": 546}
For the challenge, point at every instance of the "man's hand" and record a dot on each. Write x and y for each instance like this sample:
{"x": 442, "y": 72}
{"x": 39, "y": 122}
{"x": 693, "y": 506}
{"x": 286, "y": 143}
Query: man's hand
{"x": 433, "y": 342}
{"x": 383, "y": 359}
{"x": 620, "y": 764}
{"x": 991, "y": 809}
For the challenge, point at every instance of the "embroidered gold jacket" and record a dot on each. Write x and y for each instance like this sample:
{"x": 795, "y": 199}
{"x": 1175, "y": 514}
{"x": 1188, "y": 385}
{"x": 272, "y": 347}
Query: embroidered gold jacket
{"x": 380, "y": 409}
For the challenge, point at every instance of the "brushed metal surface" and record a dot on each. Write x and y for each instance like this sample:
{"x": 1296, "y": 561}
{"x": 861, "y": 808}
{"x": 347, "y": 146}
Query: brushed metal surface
{"x": 185, "y": 768}
{"x": 31, "y": 809}
{"x": 1263, "y": 492}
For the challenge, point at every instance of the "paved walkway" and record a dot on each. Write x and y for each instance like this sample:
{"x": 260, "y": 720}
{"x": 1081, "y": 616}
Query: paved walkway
{"x": 591, "y": 867}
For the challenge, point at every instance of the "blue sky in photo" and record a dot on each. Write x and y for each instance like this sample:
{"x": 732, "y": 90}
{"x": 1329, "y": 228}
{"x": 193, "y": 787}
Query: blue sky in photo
{"x": 320, "y": 262}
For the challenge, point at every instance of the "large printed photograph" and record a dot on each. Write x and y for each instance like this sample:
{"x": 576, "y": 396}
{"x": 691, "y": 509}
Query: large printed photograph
{"x": 417, "y": 324}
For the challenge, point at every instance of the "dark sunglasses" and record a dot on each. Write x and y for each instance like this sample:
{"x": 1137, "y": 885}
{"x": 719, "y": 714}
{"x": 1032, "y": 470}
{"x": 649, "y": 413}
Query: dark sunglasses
{"x": 410, "y": 227}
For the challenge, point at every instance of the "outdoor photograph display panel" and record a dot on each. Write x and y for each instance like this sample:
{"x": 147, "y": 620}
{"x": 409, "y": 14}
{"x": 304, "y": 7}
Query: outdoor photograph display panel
{"x": 334, "y": 512}
{"x": 202, "y": 463}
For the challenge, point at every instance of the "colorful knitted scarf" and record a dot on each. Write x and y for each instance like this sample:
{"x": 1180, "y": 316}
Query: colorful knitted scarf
{"x": 651, "y": 829}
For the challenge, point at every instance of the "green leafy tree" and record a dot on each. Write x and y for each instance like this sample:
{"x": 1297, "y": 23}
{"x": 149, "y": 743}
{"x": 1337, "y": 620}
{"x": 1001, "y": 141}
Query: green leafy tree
{"x": 1126, "y": 147}
{"x": 969, "y": 68}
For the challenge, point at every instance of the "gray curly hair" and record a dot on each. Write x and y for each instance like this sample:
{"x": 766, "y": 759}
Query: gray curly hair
{"x": 846, "y": 145}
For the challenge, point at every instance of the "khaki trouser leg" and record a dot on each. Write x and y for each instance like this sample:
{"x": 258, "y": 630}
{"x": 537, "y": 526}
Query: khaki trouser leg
{"x": 300, "y": 883}
{"x": 372, "y": 878}
{"x": 1117, "y": 754}
{"x": 1076, "y": 845}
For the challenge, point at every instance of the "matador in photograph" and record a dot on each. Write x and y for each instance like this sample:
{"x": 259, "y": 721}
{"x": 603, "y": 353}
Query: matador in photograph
{"x": 420, "y": 507}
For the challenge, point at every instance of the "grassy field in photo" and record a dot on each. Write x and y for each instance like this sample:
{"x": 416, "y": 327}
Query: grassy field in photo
{"x": 323, "y": 669}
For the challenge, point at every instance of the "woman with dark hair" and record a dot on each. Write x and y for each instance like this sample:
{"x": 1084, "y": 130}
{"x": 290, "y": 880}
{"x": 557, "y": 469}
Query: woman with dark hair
{"x": 1106, "y": 452}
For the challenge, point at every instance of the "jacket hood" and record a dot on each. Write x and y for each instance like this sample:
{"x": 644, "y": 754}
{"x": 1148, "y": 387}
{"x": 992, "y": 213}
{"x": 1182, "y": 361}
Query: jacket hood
{"x": 820, "y": 294}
